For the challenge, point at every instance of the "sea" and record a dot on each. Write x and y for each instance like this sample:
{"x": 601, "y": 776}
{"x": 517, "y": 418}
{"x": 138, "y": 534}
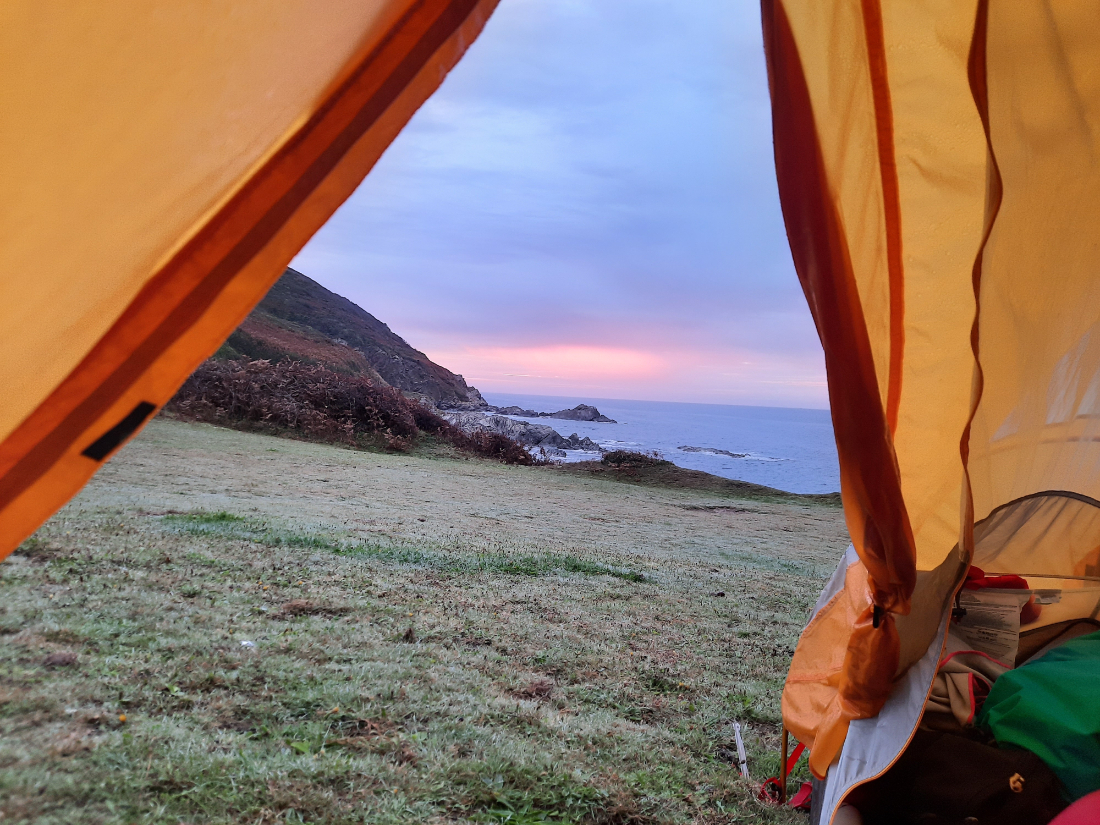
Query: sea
{"x": 789, "y": 449}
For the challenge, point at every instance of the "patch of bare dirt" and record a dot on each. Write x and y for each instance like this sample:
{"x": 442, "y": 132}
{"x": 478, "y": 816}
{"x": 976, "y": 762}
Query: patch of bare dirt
{"x": 63, "y": 658}
{"x": 539, "y": 689}
{"x": 305, "y": 607}
{"x": 75, "y": 740}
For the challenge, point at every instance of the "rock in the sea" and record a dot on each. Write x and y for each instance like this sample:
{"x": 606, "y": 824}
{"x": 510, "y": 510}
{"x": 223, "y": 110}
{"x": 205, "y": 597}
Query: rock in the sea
{"x": 712, "y": 451}
{"x": 581, "y": 412}
{"x": 586, "y": 443}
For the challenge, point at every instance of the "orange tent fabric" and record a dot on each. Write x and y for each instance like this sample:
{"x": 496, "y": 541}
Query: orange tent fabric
{"x": 937, "y": 166}
{"x": 162, "y": 165}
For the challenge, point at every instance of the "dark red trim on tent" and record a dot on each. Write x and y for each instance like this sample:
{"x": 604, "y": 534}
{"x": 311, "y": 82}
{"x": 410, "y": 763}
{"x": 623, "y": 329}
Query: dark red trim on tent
{"x": 870, "y": 480}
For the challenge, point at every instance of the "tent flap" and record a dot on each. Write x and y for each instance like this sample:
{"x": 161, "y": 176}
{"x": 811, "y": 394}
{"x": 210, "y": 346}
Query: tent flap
{"x": 165, "y": 165}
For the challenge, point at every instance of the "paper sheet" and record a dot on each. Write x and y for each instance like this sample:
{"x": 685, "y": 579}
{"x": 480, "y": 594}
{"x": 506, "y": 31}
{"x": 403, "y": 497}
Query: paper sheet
{"x": 1048, "y": 596}
{"x": 992, "y": 621}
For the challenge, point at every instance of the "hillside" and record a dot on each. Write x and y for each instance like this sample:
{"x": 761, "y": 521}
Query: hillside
{"x": 300, "y": 320}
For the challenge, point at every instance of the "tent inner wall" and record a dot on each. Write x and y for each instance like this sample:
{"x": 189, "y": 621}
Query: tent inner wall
{"x": 1052, "y": 540}
{"x": 1037, "y": 427}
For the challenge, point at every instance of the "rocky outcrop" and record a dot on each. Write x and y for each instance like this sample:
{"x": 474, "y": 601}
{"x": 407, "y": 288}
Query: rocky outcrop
{"x": 473, "y": 403}
{"x": 548, "y": 453}
{"x": 531, "y": 435}
{"x": 524, "y": 432}
{"x": 576, "y": 442}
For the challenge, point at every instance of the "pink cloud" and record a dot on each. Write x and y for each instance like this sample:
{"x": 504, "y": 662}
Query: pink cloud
{"x": 613, "y": 372}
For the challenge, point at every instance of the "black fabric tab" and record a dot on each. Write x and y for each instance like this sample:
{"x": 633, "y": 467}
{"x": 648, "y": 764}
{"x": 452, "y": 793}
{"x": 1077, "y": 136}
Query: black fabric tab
{"x": 106, "y": 443}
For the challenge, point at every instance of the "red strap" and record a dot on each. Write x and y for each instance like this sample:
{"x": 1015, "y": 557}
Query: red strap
{"x": 801, "y": 800}
{"x": 770, "y": 790}
{"x": 792, "y": 760}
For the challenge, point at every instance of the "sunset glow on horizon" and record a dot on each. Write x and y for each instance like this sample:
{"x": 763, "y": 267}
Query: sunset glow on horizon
{"x": 559, "y": 362}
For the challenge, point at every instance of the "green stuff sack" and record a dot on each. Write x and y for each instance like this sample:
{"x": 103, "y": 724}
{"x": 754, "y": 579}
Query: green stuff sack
{"x": 1051, "y": 707}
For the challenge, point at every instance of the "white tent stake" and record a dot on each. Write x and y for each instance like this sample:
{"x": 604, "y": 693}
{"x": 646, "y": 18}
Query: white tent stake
{"x": 742, "y": 759}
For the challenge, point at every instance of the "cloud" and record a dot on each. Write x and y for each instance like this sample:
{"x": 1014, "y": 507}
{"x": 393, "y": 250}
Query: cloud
{"x": 723, "y": 377}
{"x": 592, "y": 175}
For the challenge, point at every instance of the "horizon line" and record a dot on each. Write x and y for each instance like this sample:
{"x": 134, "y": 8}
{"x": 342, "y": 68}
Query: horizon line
{"x": 654, "y": 401}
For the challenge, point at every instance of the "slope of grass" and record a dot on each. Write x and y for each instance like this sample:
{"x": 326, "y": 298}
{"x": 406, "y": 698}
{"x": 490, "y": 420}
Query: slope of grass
{"x": 632, "y": 468}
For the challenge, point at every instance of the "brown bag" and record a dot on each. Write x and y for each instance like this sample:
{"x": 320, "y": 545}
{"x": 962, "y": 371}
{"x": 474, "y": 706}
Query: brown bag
{"x": 950, "y": 779}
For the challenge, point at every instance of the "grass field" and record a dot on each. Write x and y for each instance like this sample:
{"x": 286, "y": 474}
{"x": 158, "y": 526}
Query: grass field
{"x": 226, "y": 627}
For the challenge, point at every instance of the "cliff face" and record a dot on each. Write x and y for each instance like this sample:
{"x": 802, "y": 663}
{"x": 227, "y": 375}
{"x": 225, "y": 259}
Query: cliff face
{"x": 300, "y": 320}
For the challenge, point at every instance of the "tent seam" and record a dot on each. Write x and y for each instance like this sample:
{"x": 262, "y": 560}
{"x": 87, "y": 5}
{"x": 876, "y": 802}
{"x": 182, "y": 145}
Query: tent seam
{"x": 891, "y": 200}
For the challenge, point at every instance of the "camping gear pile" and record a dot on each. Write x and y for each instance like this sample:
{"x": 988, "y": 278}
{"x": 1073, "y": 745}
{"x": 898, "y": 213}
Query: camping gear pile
{"x": 939, "y": 174}
{"x": 1014, "y": 755}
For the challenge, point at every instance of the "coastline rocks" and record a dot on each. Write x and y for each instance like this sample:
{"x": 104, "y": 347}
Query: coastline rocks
{"x": 525, "y": 432}
{"x": 549, "y": 453}
{"x": 586, "y": 443}
{"x": 712, "y": 451}
{"x": 513, "y": 410}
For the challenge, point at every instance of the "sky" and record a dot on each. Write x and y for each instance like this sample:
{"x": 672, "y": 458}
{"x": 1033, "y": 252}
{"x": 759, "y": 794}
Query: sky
{"x": 588, "y": 207}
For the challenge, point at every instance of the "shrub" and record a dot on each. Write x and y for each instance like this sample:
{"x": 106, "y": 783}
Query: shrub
{"x": 629, "y": 459}
{"x": 320, "y": 404}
